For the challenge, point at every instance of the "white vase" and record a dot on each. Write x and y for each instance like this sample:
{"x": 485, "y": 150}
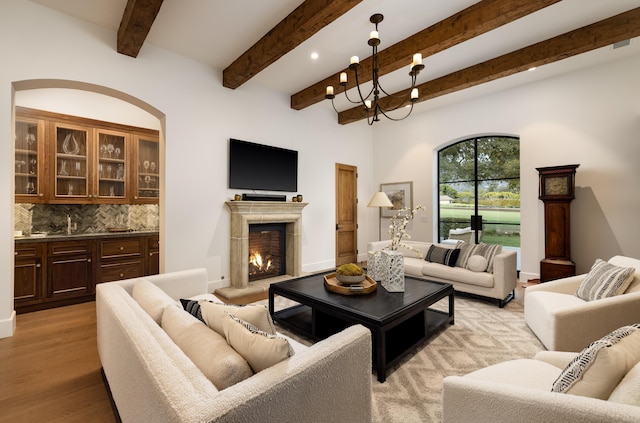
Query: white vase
{"x": 374, "y": 265}
{"x": 392, "y": 270}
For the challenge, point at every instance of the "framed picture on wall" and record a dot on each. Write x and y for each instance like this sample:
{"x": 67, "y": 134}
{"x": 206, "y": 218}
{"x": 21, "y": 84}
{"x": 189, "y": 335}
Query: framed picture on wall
{"x": 401, "y": 196}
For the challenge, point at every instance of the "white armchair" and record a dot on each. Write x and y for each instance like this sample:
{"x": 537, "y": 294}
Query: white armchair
{"x": 564, "y": 322}
{"x": 520, "y": 390}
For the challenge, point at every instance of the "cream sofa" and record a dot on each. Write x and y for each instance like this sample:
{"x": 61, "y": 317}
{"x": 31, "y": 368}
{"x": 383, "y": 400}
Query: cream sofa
{"x": 152, "y": 380}
{"x": 520, "y": 391}
{"x": 499, "y": 285}
{"x": 564, "y": 322}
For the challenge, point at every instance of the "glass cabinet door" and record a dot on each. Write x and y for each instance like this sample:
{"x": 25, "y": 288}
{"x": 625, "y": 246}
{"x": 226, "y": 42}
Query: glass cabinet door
{"x": 29, "y": 155}
{"x": 148, "y": 176}
{"x": 71, "y": 166}
{"x": 112, "y": 162}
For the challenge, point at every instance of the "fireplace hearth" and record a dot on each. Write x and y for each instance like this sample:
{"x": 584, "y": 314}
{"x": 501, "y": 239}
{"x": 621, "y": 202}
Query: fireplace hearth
{"x": 248, "y": 213}
{"x": 267, "y": 257}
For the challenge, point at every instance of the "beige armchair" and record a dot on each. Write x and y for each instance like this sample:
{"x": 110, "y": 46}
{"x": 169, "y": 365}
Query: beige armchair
{"x": 564, "y": 322}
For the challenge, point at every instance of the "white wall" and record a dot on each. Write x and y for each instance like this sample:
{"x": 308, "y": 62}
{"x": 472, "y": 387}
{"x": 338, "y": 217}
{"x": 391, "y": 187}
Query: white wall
{"x": 197, "y": 117}
{"x": 589, "y": 117}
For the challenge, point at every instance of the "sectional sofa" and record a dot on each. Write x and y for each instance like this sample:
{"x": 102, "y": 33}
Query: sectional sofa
{"x": 152, "y": 379}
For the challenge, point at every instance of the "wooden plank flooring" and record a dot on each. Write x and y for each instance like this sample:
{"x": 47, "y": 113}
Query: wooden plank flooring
{"x": 50, "y": 369}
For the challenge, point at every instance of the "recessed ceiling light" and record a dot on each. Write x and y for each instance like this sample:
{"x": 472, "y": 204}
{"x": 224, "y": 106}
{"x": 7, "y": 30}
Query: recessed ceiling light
{"x": 314, "y": 55}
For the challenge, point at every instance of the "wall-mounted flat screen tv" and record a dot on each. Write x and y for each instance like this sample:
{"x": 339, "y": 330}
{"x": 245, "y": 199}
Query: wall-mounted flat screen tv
{"x": 262, "y": 167}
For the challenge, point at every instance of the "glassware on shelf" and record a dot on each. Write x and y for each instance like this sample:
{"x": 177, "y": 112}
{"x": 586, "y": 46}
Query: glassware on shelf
{"x": 31, "y": 188}
{"x": 63, "y": 168}
{"x": 31, "y": 138}
{"x": 112, "y": 192}
{"x": 77, "y": 168}
{"x": 147, "y": 179}
{"x": 110, "y": 150}
{"x": 152, "y": 166}
{"x": 120, "y": 172}
{"x": 70, "y": 145}
{"x": 19, "y": 164}
{"x": 103, "y": 150}
{"x": 32, "y": 166}
{"x": 108, "y": 171}
{"x": 100, "y": 170}
{"x": 118, "y": 151}
{"x": 70, "y": 191}
{"x": 145, "y": 164}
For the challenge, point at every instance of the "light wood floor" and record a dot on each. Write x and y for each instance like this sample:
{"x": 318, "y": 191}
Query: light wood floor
{"x": 50, "y": 370}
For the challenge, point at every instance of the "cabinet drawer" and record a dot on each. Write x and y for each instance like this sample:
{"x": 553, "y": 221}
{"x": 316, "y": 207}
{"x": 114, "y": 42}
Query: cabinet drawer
{"x": 25, "y": 251}
{"x": 69, "y": 247}
{"x": 121, "y": 247}
{"x": 121, "y": 270}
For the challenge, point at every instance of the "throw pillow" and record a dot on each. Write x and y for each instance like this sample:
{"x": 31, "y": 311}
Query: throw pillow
{"x": 442, "y": 255}
{"x": 208, "y": 350}
{"x": 261, "y": 350}
{"x": 605, "y": 280}
{"x": 193, "y": 308}
{"x": 466, "y": 251}
{"x": 488, "y": 251}
{"x": 600, "y": 367}
{"x": 477, "y": 263}
{"x": 151, "y": 298}
{"x": 214, "y": 314}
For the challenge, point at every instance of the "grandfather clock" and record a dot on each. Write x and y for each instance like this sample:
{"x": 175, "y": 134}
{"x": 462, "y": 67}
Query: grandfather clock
{"x": 557, "y": 190}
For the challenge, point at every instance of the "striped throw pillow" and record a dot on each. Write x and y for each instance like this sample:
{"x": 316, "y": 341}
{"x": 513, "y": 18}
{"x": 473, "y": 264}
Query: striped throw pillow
{"x": 466, "y": 251}
{"x": 442, "y": 255}
{"x": 605, "y": 280}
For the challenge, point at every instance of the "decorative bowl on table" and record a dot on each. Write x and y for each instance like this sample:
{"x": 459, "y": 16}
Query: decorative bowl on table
{"x": 350, "y": 274}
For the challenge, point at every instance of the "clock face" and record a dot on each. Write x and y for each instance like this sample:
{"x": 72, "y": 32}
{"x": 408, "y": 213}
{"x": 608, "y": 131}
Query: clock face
{"x": 557, "y": 185}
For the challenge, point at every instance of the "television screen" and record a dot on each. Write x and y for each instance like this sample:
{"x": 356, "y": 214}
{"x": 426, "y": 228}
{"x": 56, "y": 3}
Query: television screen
{"x": 262, "y": 167}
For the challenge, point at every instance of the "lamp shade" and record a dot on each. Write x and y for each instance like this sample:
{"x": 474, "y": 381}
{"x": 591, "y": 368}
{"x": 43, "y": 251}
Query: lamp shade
{"x": 380, "y": 199}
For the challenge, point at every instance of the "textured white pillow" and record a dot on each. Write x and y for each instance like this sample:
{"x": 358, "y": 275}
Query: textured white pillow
{"x": 260, "y": 349}
{"x": 605, "y": 280}
{"x": 477, "y": 263}
{"x": 600, "y": 367}
{"x": 151, "y": 298}
{"x": 208, "y": 350}
{"x": 628, "y": 390}
{"x": 214, "y": 315}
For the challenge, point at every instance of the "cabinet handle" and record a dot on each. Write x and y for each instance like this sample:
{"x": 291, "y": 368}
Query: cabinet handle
{"x": 88, "y": 260}
{"x": 38, "y": 265}
{"x": 41, "y": 195}
{"x": 15, "y": 253}
{"x": 122, "y": 275}
{"x": 121, "y": 248}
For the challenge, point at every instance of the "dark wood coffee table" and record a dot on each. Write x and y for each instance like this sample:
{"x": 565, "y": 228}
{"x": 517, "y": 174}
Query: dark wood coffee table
{"x": 398, "y": 320}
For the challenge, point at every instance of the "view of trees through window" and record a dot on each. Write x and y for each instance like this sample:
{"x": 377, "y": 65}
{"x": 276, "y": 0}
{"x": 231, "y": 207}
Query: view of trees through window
{"x": 480, "y": 177}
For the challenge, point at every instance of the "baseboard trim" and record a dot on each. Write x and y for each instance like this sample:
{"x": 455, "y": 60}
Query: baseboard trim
{"x": 8, "y": 326}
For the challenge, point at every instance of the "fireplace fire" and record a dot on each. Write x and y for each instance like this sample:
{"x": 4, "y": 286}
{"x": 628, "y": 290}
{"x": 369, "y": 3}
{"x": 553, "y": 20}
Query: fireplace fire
{"x": 266, "y": 250}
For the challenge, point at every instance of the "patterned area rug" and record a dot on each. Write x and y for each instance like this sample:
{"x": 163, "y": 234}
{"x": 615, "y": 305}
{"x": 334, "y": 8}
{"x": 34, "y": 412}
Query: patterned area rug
{"x": 483, "y": 334}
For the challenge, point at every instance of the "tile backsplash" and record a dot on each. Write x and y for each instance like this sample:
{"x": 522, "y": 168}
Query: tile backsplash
{"x": 86, "y": 219}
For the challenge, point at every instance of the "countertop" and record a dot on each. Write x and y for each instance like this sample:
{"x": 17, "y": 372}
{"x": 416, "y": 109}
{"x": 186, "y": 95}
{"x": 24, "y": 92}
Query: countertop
{"x": 99, "y": 235}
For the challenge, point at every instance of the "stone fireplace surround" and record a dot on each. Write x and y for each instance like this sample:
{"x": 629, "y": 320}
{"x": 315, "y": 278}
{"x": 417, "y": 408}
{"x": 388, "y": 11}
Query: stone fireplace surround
{"x": 245, "y": 213}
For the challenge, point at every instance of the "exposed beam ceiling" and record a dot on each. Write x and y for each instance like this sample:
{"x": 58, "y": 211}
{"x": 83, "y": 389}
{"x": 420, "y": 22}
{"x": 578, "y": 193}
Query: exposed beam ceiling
{"x": 600, "y": 34}
{"x": 475, "y": 20}
{"x": 135, "y": 25}
{"x": 307, "y": 19}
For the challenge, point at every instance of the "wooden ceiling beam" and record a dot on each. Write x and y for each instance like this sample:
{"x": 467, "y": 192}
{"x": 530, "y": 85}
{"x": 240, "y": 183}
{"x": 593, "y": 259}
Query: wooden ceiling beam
{"x": 307, "y": 19}
{"x": 600, "y": 34}
{"x": 475, "y": 20}
{"x": 136, "y": 23}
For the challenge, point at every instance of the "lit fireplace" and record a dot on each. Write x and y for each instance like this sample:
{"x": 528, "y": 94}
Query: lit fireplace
{"x": 266, "y": 250}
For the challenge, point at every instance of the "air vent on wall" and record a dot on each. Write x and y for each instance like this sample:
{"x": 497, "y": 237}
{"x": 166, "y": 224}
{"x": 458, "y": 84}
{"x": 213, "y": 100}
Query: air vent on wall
{"x": 623, "y": 43}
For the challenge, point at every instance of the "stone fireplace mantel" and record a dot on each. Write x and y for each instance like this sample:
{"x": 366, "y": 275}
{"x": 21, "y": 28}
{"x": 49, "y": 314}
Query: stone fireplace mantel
{"x": 245, "y": 213}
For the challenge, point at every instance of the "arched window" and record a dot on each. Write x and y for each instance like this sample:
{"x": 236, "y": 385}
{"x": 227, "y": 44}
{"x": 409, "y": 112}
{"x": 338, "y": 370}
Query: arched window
{"x": 479, "y": 189}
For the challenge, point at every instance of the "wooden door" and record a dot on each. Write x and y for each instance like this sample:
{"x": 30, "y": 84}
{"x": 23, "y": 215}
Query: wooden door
{"x": 346, "y": 214}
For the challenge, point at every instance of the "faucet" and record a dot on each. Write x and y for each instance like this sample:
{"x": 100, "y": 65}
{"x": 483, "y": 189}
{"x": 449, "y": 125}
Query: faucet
{"x": 68, "y": 224}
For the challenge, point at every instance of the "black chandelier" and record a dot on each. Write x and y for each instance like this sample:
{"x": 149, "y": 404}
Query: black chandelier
{"x": 372, "y": 106}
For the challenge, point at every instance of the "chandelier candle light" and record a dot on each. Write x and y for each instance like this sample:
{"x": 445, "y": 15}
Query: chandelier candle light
{"x": 371, "y": 101}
